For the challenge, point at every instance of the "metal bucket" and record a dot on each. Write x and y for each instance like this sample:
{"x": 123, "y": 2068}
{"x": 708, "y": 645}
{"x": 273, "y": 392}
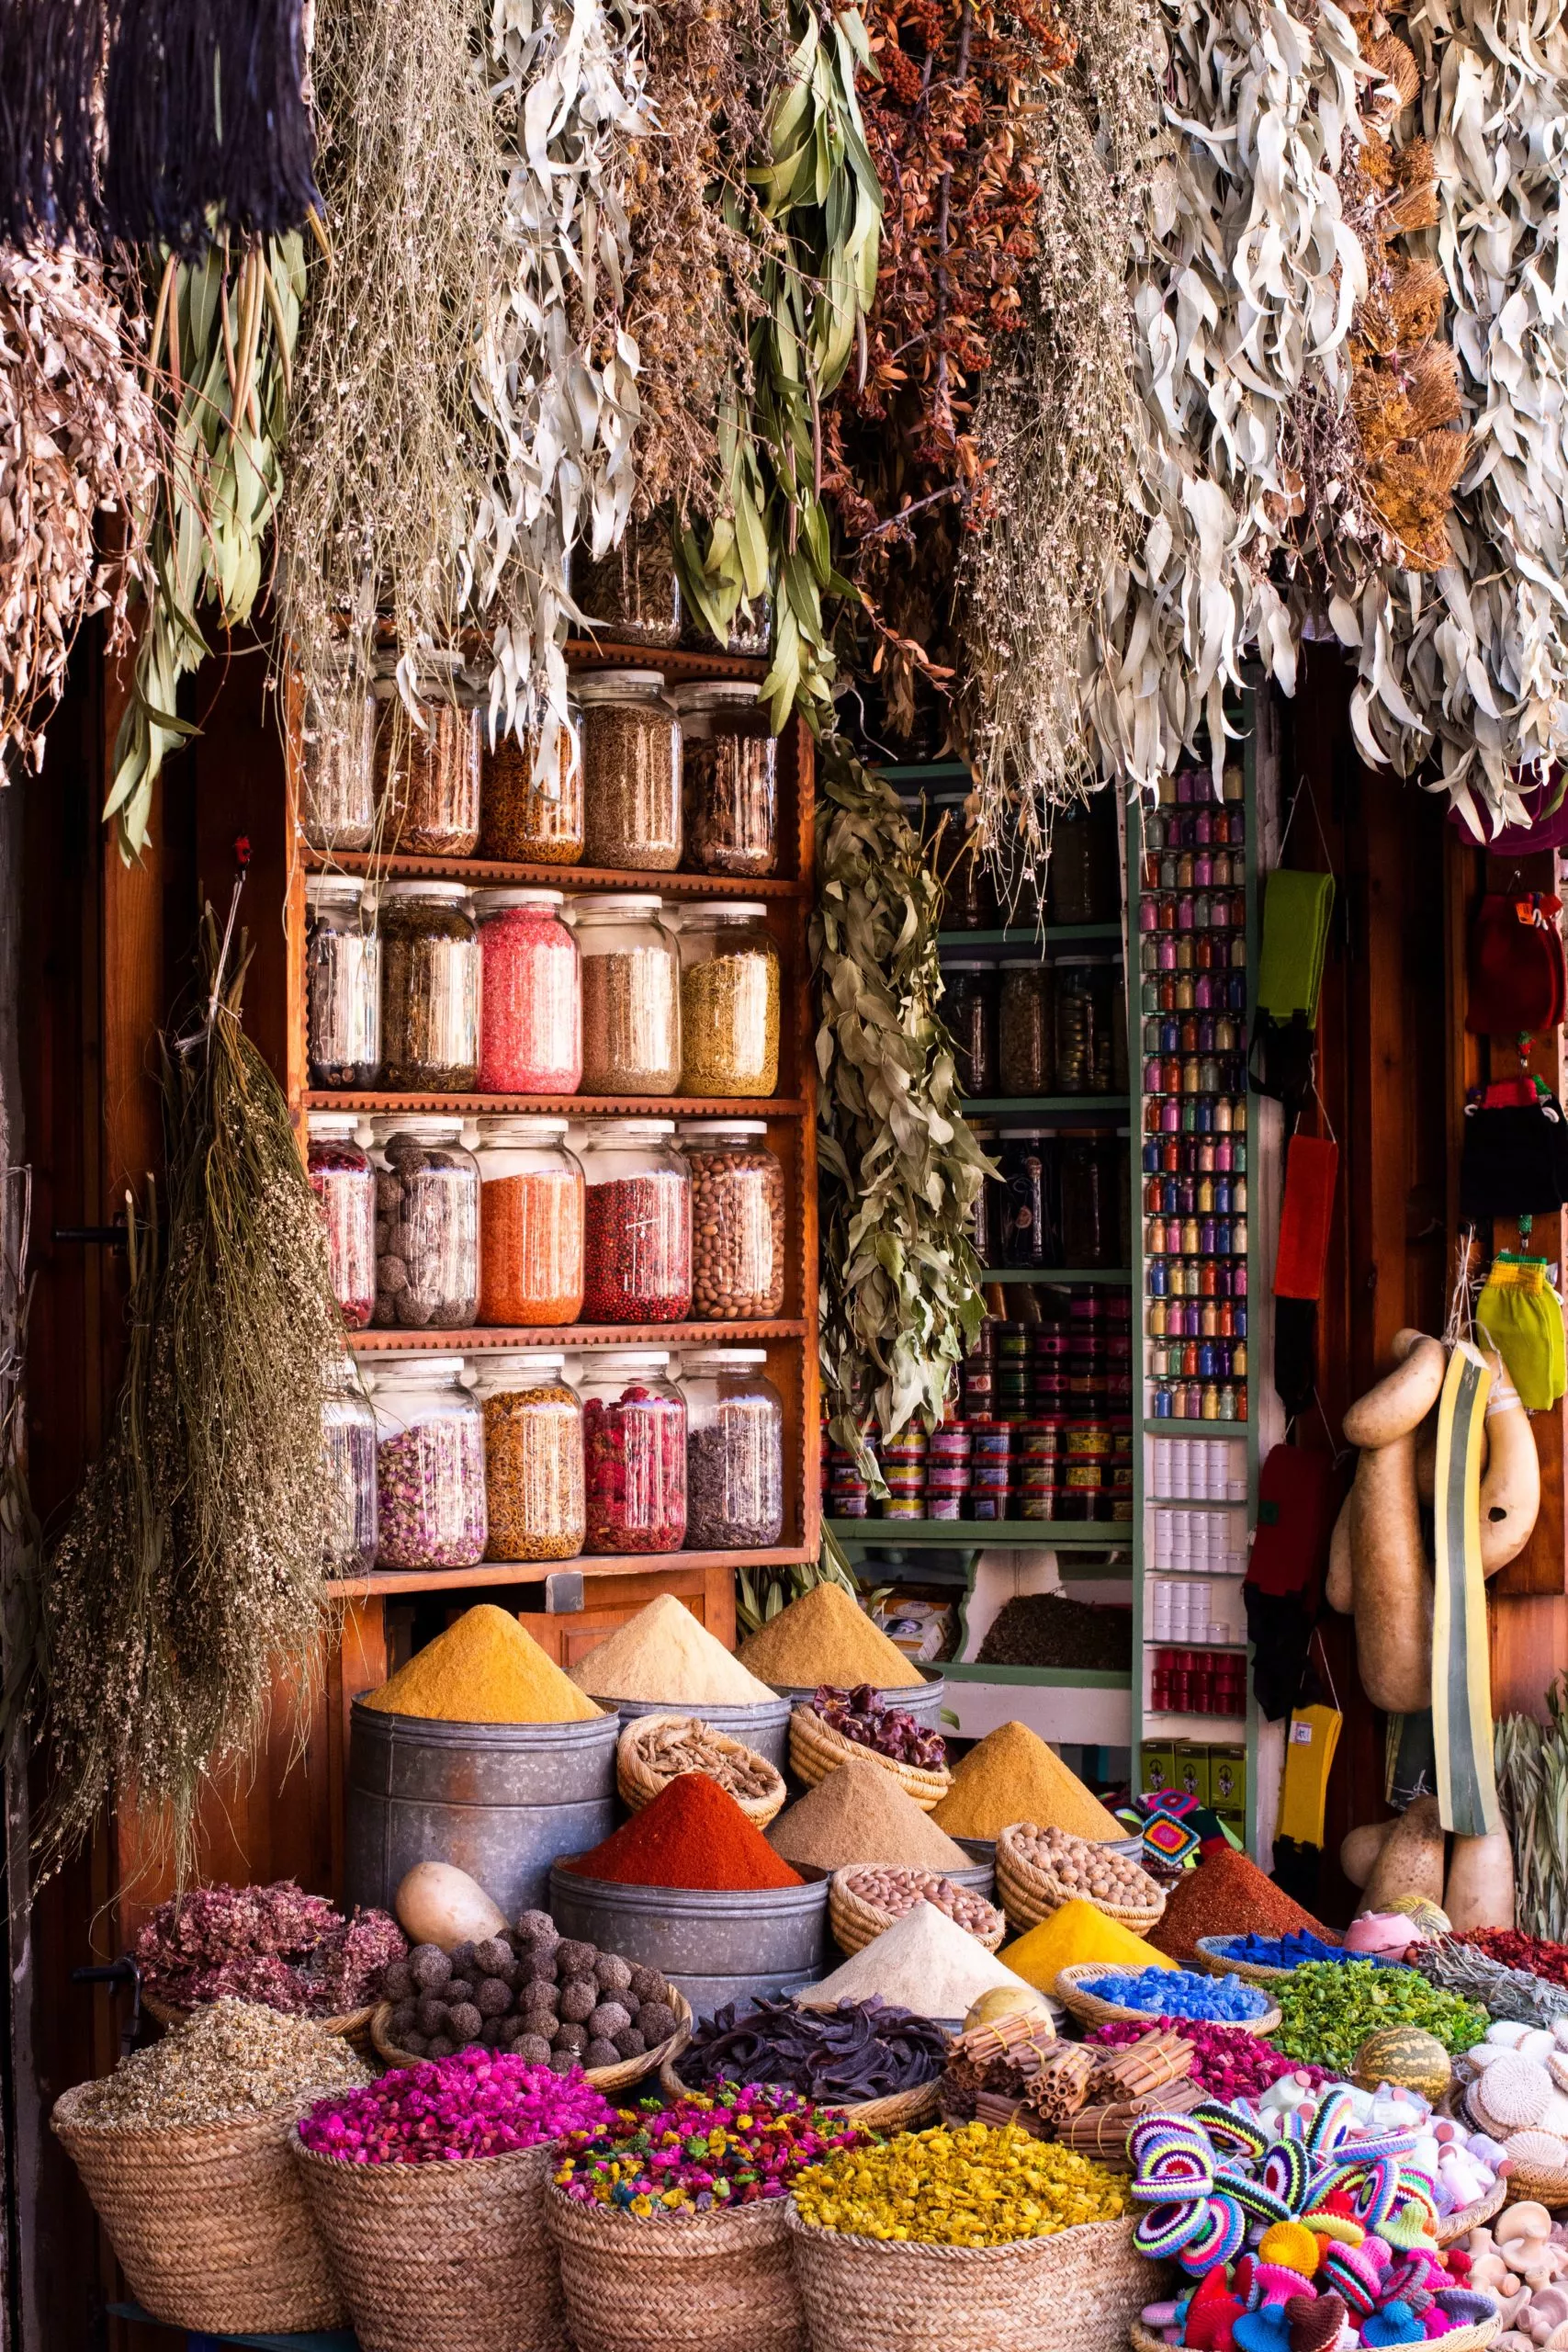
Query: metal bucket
{"x": 763, "y": 1726}
{"x": 923, "y": 1701}
{"x": 501, "y": 1800}
{"x": 713, "y": 1946}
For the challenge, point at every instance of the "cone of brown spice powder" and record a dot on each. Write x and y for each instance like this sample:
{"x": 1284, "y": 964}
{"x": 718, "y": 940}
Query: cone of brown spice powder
{"x": 825, "y": 1637}
{"x": 1228, "y": 1895}
{"x": 859, "y": 1813}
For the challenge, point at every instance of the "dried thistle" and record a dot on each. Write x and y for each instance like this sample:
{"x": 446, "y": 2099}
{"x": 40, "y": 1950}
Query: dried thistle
{"x": 77, "y": 441}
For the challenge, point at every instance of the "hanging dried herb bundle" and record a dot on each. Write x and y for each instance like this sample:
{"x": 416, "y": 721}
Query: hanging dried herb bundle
{"x": 51, "y": 54}
{"x": 954, "y": 130}
{"x": 387, "y": 461}
{"x": 221, "y": 349}
{"x": 190, "y": 1568}
{"x": 76, "y": 443}
{"x": 1060, "y": 415}
{"x": 900, "y": 1170}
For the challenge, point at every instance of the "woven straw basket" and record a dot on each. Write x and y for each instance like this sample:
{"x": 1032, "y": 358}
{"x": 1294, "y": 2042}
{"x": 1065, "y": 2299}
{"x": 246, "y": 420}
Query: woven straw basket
{"x": 680, "y": 2282}
{"x": 1463, "y": 2339}
{"x": 1094, "y": 2011}
{"x": 1211, "y": 1957}
{"x": 815, "y": 1749}
{"x": 899, "y": 2112}
{"x": 1029, "y": 1894}
{"x": 1458, "y": 2226}
{"x": 209, "y": 2223}
{"x": 354, "y": 2027}
{"x": 856, "y": 1922}
{"x": 639, "y": 1784}
{"x": 441, "y": 2257}
{"x": 1078, "y": 2292}
{"x": 604, "y": 2078}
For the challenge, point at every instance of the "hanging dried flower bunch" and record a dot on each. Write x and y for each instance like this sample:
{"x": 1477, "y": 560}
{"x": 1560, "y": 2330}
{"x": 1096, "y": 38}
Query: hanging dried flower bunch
{"x": 77, "y": 442}
{"x": 956, "y": 130}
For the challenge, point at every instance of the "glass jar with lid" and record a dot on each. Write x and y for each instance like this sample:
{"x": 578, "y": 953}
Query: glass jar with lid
{"x": 1092, "y": 1223}
{"x": 750, "y": 630}
{"x": 430, "y": 988}
{"x": 631, "y": 996}
{"x": 429, "y": 1465}
{"x": 348, "y": 1441}
{"x": 738, "y": 1220}
{"x": 968, "y": 900}
{"x": 969, "y": 1009}
{"x": 345, "y": 1185}
{"x": 530, "y": 996}
{"x": 1084, "y": 1056}
{"x": 427, "y": 1225}
{"x": 632, "y": 595}
{"x": 637, "y": 1254}
{"x": 1023, "y": 1026}
{"x": 531, "y": 800}
{"x": 337, "y": 764}
{"x": 631, "y": 772}
{"x": 734, "y": 1450}
{"x": 343, "y": 981}
{"x": 730, "y": 777}
{"x": 634, "y": 1452}
{"x": 729, "y": 1001}
{"x": 532, "y": 1433}
{"x": 1027, "y": 1162}
{"x": 531, "y": 1223}
{"x": 428, "y": 766}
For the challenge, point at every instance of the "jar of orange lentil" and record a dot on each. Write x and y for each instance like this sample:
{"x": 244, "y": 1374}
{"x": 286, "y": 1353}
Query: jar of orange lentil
{"x": 531, "y": 1223}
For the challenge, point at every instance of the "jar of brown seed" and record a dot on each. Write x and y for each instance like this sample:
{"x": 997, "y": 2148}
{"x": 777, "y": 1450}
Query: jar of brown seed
{"x": 427, "y": 772}
{"x": 533, "y": 1421}
{"x": 632, "y": 595}
{"x": 631, "y": 766}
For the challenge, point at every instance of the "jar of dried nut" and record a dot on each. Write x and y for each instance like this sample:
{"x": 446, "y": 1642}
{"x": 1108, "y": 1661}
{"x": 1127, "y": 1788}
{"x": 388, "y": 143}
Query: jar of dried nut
{"x": 738, "y": 1220}
{"x": 427, "y": 1225}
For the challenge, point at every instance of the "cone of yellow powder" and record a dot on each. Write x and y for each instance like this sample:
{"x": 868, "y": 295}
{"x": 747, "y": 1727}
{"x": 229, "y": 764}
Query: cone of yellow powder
{"x": 483, "y": 1670}
{"x": 1077, "y": 1931}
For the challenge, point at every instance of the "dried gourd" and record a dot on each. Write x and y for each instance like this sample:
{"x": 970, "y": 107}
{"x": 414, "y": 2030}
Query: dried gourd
{"x": 1510, "y": 1482}
{"x": 1393, "y": 1581}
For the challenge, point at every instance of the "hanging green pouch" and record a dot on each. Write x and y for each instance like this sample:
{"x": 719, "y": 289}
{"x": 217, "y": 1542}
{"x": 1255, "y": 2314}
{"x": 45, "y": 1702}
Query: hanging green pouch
{"x": 1296, "y": 909}
{"x": 1521, "y": 1315}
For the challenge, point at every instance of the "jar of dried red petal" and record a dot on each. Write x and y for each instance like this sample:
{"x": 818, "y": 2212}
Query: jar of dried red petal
{"x": 637, "y": 1256}
{"x": 634, "y": 1448}
{"x": 531, "y": 1223}
{"x": 344, "y": 1185}
{"x": 530, "y": 995}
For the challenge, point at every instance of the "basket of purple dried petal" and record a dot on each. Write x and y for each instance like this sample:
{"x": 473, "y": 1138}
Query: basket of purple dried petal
{"x": 276, "y": 1945}
{"x": 428, "y": 2190}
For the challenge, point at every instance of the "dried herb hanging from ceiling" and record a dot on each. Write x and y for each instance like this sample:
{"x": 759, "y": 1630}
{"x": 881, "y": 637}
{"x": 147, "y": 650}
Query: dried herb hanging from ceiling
{"x": 78, "y": 443}
{"x": 900, "y": 1170}
{"x": 189, "y": 1571}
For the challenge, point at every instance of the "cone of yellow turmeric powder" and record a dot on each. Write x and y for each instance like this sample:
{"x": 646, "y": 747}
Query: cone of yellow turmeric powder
{"x": 483, "y": 1670}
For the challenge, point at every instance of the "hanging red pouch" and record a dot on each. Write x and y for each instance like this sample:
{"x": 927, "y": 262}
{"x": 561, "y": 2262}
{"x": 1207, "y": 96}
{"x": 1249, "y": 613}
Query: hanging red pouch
{"x": 1518, "y": 978}
{"x": 1305, "y": 1214}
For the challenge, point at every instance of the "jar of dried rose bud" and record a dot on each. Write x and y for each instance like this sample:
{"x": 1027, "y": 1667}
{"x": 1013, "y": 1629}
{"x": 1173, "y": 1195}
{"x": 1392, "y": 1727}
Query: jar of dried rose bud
{"x": 533, "y": 1425}
{"x": 430, "y": 1465}
{"x": 729, "y": 758}
{"x": 345, "y": 1185}
{"x": 634, "y": 1447}
{"x": 532, "y": 794}
{"x": 631, "y": 768}
{"x": 428, "y": 765}
{"x": 531, "y": 1223}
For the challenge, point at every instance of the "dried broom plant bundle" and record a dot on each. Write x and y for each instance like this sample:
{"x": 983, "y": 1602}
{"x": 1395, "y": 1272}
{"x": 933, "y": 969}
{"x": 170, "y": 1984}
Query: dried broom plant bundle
{"x": 77, "y": 441}
{"x": 190, "y": 1572}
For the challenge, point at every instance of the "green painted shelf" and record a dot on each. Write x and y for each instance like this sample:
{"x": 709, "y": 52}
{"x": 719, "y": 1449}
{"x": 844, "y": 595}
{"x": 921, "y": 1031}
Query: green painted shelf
{"x": 969, "y": 1535}
{"x": 332, "y": 2339}
{"x": 1047, "y": 1677}
{"x": 1054, "y": 936}
{"x": 1064, "y": 1277}
{"x": 1085, "y": 1106}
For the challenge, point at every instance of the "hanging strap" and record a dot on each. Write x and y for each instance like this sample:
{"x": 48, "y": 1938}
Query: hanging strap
{"x": 1462, "y": 1678}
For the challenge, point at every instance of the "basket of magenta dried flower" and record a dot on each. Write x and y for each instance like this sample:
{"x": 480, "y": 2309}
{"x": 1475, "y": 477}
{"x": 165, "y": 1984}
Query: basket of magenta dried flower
{"x": 428, "y": 2189}
{"x": 670, "y": 2223}
{"x": 274, "y": 1945}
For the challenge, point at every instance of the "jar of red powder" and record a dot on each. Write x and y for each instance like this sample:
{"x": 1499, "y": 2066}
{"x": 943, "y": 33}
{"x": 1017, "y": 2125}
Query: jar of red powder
{"x": 634, "y": 1445}
{"x": 530, "y": 995}
{"x": 638, "y": 1253}
{"x": 531, "y": 1223}
{"x": 345, "y": 1185}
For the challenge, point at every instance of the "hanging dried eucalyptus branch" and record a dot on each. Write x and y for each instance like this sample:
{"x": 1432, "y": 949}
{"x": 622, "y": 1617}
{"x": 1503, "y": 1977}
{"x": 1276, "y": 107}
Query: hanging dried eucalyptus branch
{"x": 77, "y": 442}
{"x": 219, "y": 357}
{"x": 900, "y": 1170}
{"x": 189, "y": 1571}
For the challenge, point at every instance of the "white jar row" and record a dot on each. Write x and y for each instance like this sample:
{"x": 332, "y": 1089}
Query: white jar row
{"x": 1215, "y": 1541}
{"x": 1199, "y": 1469}
{"x": 1180, "y": 1612}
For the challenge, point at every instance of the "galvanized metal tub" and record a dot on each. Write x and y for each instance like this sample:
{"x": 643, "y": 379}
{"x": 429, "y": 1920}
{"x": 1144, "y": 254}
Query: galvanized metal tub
{"x": 501, "y": 1801}
{"x": 763, "y": 1726}
{"x": 923, "y": 1701}
{"x": 713, "y": 1946}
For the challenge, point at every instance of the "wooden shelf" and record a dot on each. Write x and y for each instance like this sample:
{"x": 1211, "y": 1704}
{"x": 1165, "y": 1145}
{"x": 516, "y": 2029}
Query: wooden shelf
{"x": 493, "y": 872}
{"x": 386, "y": 1584}
{"x": 692, "y": 662}
{"x": 560, "y": 1106}
{"x": 577, "y": 1335}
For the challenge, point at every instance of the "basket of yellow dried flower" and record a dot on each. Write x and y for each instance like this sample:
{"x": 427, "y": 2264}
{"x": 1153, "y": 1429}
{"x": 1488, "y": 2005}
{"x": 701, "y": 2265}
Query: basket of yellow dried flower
{"x": 965, "y": 2238}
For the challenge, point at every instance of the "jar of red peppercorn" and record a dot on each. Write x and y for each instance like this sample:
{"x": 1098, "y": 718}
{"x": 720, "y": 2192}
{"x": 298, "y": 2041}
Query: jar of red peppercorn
{"x": 345, "y": 1185}
{"x": 531, "y": 1223}
{"x": 530, "y": 995}
{"x": 427, "y": 770}
{"x": 634, "y": 1445}
{"x": 427, "y": 1225}
{"x": 638, "y": 1257}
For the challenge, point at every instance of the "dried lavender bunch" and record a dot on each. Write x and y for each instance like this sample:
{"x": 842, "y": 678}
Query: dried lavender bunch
{"x": 188, "y": 1574}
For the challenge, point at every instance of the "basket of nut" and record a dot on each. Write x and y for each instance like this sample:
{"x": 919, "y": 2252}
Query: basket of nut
{"x": 1039, "y": 1870}
{"x": 867, "y": 1898}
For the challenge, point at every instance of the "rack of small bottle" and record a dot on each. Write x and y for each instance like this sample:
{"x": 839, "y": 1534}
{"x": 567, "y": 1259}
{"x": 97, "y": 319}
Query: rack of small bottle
{"x": 1039, "y": 1427}
{"x": 1193, "y": 997}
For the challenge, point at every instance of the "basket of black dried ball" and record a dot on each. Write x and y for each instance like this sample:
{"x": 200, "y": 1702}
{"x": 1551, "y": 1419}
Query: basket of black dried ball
{"x": 880, "y": 2064}
{"x": 556, "y": 2002}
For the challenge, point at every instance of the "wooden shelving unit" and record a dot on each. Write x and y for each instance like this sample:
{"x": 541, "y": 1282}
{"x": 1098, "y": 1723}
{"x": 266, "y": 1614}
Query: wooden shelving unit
{"x": 789, "y": 1338}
